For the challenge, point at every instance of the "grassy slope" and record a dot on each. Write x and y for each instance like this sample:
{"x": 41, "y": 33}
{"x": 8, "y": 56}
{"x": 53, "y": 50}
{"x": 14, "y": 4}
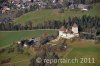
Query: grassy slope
{"x": 50, "y": 14}
{"x": 86, "y": 49}
{"x": 7, "y": 38}
{"x": 88, "y": 52}
{"x": 17, "y": 59}
{"x": 83, "y": 49}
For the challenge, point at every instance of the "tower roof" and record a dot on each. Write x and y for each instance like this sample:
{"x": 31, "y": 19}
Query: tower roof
{"x": 75, "y": 25}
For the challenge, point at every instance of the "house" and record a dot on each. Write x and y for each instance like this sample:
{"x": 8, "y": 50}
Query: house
{"x": 19, "y": 1}
{"x": 69, "y": 33}
{"x": 5, "y": 9}
{"x": 83, "y": 7}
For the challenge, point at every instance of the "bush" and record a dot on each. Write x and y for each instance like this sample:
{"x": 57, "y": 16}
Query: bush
{"x": 2, "y": 50}
{"x": 61, "y": 10}
{"x": 5, "y": 61}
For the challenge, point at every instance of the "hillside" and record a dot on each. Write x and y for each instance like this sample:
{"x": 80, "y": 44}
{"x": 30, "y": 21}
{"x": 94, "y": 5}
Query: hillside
{"x": 52, "y": 14}
{"x": 8, "y": 37}
{"x": 82, "y": 49}
{"x": 78, "y": 49}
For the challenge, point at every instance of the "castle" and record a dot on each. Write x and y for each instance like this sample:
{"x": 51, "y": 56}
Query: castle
{"x": 69, "y": 33}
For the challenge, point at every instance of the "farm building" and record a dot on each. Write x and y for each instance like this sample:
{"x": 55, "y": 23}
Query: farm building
{"x": 84, "y": 7}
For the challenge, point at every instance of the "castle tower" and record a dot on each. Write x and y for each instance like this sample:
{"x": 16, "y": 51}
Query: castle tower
{"x": 75, "y": 28}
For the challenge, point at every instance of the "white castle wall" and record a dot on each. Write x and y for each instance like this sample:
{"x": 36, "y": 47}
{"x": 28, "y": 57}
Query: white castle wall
{"x": 75, "y": 29}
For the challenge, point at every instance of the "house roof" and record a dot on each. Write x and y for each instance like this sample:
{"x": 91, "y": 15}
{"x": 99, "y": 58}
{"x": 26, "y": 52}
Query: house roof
{"x": 62, "y": 28}
{"x": 67, "y": 30}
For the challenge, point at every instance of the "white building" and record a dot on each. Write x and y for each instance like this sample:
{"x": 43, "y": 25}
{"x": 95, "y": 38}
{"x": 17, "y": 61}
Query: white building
{"x": 69, "y": 34}
{"x": 83, "y": 7}
{"x": 75, "y": 30}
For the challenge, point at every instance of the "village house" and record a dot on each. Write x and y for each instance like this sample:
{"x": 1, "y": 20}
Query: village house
{"x": 69, "y": 33}
{"x": 5, "y": 9}
{"x": 83, "y": 7}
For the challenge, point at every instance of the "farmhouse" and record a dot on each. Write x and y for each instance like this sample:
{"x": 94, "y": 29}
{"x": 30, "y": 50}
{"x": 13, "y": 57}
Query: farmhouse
{"x": 69, "y": 33}
{"x": 83, "y": 7}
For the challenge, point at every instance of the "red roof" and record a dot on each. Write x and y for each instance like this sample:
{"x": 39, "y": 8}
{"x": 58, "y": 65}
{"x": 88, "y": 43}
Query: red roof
{"x": 63, "y": 29}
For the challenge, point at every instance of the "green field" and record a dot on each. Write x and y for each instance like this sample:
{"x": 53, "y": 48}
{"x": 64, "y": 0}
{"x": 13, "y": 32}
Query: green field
{"x": 52, "y": 14}
{"x": 87, "y": 52}
{"x": 8, "y": 37}
{"x": 17, "y": 59}
{"x": 82, "y": 49}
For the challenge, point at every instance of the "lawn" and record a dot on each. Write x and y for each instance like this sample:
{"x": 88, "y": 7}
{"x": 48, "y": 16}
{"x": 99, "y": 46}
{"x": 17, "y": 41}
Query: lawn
{"x": 8, "y": 37}
{"x": 52, "y": 14}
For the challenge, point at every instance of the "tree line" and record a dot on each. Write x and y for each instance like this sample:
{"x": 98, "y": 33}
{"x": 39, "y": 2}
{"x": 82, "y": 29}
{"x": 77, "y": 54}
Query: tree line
{"x": 85, "y": 24}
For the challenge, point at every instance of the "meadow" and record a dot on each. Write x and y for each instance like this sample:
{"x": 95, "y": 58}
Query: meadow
{"x": 44, "y": 15}
{"x": 82, "y": 49}
{"x": 8, "y": 37}
{"x": 77, "y": 49}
